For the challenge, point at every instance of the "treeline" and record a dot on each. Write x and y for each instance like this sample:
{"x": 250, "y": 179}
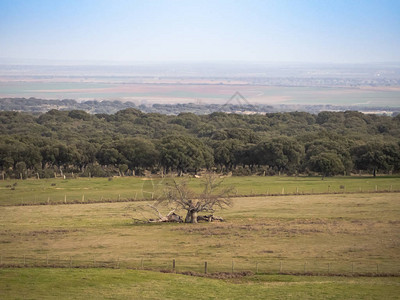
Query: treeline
{"x": 34, "y": 105}
{"x": 129, "y": 142}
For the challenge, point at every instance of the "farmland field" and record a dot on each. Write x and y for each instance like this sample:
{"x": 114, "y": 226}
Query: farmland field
{"x": 132, "y": 284}
{"x": 208, "y": 93}
{"x": 52, "y": 191}
{"x": 340, "y": 230}
{"x": 347, "y": 234}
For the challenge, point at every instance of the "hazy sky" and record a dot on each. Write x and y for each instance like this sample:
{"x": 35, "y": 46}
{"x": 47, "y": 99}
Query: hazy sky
{"x": 339, "y": 31}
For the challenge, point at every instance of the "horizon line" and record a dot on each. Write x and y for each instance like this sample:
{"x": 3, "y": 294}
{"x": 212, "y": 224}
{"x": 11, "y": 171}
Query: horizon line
{"x": 88, "y": 62}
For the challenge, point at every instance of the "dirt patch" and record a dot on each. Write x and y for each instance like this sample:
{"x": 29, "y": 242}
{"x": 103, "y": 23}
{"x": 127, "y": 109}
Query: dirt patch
{"x": 217, "y": 275}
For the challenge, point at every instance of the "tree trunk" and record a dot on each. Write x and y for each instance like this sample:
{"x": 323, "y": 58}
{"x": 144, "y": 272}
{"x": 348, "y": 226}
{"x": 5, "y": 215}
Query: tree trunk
{"x": 188, "y": 217}
{"x": 193, "y": 216}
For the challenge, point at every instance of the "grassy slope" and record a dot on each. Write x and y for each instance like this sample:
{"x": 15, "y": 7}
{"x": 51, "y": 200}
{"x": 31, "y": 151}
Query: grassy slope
{"x": 100, "y": 189}
{"x": 130, "y": 284}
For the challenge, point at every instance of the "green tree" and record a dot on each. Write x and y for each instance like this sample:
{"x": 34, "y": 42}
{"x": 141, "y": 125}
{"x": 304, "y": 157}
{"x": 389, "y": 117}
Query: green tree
{"x": 374, "y": 156}
{"x": 184, "y": 154}
{"x": 326, "y": 163}
{"x": 138, "y": 153}
{"x": 283, "y": 154}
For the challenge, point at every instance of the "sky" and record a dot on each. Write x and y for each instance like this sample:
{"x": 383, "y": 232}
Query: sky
{"x": 115, "y": 31}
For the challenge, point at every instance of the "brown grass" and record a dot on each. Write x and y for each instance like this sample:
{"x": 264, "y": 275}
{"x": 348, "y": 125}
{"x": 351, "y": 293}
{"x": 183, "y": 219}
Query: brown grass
{"x": 338, "y": 229}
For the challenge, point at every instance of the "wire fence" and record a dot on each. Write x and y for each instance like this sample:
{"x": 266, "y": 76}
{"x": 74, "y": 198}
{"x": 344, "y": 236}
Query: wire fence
{"x": 210, "y": 266}
{"x": 83, "y": 199}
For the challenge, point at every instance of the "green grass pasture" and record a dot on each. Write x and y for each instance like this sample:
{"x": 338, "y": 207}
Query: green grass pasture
{"x": 53, "y": 191}
{"x": 45, "y": 283}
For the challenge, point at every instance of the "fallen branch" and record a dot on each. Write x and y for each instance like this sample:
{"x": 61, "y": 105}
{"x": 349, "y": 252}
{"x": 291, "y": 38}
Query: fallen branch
{"x": 210, "y": 218}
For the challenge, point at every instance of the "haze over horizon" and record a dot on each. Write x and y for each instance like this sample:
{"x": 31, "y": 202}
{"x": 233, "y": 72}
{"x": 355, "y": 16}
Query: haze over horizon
{"x": 121, "y": 31}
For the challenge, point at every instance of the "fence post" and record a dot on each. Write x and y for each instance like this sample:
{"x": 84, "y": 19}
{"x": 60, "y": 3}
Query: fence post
{"x": 352, "y": 267}
{"x": 173, "y": 264}
{"x": 70, "y": 261}
{"x": 256, "y": 267}
{"x": 205, "y": 267}
{"x": 377, "y": 268}
{"x": 24, "y": 260}
{"x": 305, "y": 267}
{"x": 94, "y": 262}
{"x": 117, "y": 262}
{"x": 329, "y": 268}
{"x": 47, "y": 260}
{"x": 280, "y": 267}
{"x": 232, "y": 266}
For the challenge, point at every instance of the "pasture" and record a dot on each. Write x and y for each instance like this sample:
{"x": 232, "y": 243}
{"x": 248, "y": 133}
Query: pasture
{"x": 89, "y": 190}
{"x": 98, "y": 250}
{"x": 132, "y": 284}
{"x": 350, "y": 231}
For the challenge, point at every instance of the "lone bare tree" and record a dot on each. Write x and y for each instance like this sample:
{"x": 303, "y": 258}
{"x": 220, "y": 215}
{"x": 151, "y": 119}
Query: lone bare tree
{"x": 213, "y": 196}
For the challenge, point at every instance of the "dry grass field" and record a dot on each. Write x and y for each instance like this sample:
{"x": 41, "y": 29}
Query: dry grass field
{"x": 97, "y": 251}
{"x": 337, "y": 234}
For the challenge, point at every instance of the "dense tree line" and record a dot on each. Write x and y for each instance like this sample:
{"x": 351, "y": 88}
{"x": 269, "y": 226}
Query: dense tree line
{"x": 130, "y": 142}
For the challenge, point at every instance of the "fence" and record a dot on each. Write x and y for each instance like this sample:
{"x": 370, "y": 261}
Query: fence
{"x": 212, "y": 266}
{"x": 82, "y": 199}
